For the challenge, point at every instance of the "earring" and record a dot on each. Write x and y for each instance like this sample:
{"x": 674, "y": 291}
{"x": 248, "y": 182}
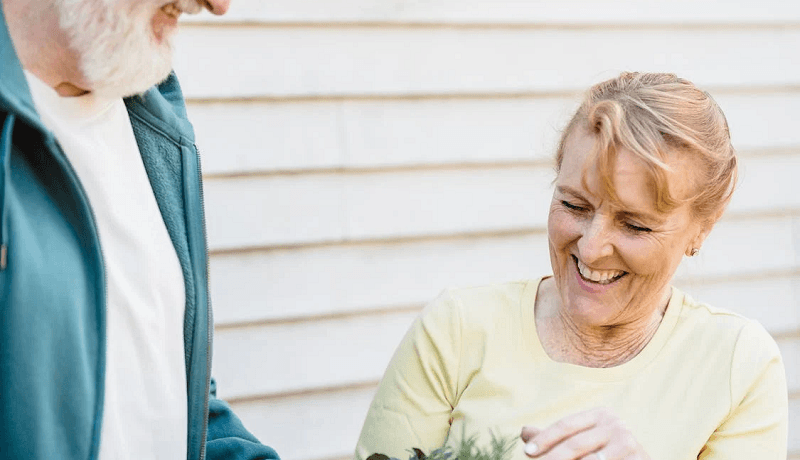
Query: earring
{"x": 694, "y": 252}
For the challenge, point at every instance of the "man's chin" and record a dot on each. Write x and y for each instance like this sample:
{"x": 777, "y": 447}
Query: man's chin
{"x": 113, "y": 92}
{"x": 121, "y": 84}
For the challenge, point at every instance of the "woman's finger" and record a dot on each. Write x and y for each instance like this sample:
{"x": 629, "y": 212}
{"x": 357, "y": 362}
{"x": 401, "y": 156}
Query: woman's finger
{"x": 567, "y": 427}
{"x": 528, "y": 432}
{"x": 579, "y": 446}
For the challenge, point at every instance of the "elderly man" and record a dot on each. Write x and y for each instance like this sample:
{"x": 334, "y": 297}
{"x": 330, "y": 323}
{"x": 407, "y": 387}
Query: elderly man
{"x": 106, "y": 326}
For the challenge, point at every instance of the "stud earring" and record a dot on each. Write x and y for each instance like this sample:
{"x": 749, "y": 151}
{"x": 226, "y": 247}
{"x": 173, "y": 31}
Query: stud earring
{"x": 694, "y": 252}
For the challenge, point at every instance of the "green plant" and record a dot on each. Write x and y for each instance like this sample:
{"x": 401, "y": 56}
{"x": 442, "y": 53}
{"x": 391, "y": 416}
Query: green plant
{"x": 467, "y": 449}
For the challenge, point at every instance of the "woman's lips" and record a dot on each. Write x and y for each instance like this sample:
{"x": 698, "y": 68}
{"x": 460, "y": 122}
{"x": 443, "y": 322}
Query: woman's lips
{"x": 606, "y": 279}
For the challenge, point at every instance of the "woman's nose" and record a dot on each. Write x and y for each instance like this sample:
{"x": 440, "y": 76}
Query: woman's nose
{"x": 218, "y": 7}
{"x": 595, "y": 242}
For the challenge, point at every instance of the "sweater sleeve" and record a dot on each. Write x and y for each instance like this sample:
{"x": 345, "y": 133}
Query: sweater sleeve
{"x": 757, "y": 425}
{"x": 419, "y": 389}
{"x": 228, "y": 438}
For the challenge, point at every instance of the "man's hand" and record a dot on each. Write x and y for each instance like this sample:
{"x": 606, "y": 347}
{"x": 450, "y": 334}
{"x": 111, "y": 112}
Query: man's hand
{"x": 596, "y": 434}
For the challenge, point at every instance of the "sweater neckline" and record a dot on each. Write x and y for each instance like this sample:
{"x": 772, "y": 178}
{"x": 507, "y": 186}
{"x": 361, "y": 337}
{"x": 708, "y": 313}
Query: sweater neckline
{"x": 575, "y": 371}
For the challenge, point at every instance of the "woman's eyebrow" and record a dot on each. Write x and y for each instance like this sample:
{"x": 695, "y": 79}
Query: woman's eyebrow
{"x": 566, "y": 189}
{"x": 640, "y": 215}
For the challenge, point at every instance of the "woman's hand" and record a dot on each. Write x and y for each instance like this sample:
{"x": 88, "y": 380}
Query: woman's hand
{"x": 596, "y": 434}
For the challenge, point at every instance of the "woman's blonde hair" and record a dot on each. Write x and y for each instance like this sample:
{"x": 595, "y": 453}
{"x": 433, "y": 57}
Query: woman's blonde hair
{"x": 659, "y": 116}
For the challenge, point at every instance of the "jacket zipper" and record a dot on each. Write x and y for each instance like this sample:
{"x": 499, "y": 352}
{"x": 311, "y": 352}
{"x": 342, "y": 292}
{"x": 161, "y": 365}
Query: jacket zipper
{"x": 5, "y": 151}
{"x": 209, "y": 314}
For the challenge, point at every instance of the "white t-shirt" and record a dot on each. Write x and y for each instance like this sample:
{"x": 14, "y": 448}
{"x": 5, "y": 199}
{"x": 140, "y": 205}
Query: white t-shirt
{"x": 145, "y": 407}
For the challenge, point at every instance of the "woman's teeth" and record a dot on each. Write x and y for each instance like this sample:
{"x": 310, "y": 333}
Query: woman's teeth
{"x": 598, "y": 276}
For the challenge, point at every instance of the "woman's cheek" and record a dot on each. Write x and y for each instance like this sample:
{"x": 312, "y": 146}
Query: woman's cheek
{"x": 562, "y": 228}
{"x": 642, "y": 256}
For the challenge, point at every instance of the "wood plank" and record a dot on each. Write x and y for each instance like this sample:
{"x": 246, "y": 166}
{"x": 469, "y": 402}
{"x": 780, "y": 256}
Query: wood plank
{"x": 297, "y": 283}
{"x": 376, "y": 133}
{"x": 774, "y": 300}
{"x": 727, "y": 251}
{"x": 309, "y": 427}
{"x": 790, "y": 351}
{"x": 319, "y": 281}
{"x": 794, "y": 426}
{"x": 303, "y": 356}
{"x": 297, "y": 61}
{"x": 259, "y": 211}
{"x": 261, "y": 136}
{"x": 766, "y": 183}
{"x": 510, "y": 12}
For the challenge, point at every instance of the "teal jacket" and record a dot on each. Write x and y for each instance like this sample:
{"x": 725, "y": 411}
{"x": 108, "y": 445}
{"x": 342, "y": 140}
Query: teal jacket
{"x": 53, "y": 288}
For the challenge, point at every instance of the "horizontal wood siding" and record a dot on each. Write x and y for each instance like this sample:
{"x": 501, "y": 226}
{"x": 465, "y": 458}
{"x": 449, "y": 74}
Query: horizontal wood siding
{"x": 362, "y": 156}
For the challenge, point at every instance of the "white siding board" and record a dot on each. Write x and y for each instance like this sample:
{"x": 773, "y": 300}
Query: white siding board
{"x": 375, "y": 133}
{"x": 761, "y": 120}
{"x": 261, "y": 136}
{"x": 790, "y": 352}
{"x": 279, "y": 210}
{"x": 767, "y": 183}
{"x": 773, "y": 301}
{"x": 307, "y": 355}
{"x": 511, "y": 12}
{"x": 794, "y": 426}
{"x": 744, "y": 247}
{"x": 254, "y": 136}
{"x": 373, "y": 60}
{"x": 403, "y": 132}
{"x": 319, "y": 281}
{"x": 326, "y": 280}
{"x": 317, "y": 426}
{"x": 255, "y": 211}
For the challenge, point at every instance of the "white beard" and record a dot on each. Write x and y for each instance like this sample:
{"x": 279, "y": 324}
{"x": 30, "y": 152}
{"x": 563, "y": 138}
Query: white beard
{"x": 114, "y": 39}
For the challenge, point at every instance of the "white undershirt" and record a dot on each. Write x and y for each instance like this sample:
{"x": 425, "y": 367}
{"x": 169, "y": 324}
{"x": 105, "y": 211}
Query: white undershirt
{"x": 145, "y": 408}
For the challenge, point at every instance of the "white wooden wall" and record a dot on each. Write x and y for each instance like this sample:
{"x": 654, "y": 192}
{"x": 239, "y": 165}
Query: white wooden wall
{"x": 362, "y": 155}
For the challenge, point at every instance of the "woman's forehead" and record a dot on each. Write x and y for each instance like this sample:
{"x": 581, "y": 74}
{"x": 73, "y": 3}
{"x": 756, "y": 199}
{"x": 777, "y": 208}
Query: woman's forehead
{"x": 632, "y": 179}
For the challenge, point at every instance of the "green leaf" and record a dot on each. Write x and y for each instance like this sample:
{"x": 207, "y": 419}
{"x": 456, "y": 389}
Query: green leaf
{"x": 499, "y": 449}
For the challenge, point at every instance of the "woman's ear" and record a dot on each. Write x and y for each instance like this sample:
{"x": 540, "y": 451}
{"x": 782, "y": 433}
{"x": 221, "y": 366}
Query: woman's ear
{"x": 700, "y": 237}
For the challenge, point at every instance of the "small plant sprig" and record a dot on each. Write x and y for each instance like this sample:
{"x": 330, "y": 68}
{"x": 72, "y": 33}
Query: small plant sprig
{"x": 499, "y": 449}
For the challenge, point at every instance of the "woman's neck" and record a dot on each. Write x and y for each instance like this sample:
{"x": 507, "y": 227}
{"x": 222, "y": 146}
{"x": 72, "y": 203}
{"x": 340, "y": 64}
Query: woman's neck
{"x": 565, "y": 340}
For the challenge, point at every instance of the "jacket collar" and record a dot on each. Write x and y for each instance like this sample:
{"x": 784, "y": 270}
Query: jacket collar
{"x": 15, "y": 96}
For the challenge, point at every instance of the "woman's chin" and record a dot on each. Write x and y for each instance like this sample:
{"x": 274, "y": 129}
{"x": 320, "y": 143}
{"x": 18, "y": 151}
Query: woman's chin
{"x": 587, "y": 312}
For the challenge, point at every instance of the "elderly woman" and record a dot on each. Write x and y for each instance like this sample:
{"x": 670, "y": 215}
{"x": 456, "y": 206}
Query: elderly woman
{"x": 603, "y": 360}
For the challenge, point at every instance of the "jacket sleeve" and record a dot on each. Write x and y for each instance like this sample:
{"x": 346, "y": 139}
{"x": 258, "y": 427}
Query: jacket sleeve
{"x": 227, "y": 438}
{"x": 415, "y": 398}
{"x": 757, "y": 425}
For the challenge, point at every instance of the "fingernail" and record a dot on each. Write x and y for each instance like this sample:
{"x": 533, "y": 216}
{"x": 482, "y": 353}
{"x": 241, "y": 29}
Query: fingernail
{"x": 531, "y": 448}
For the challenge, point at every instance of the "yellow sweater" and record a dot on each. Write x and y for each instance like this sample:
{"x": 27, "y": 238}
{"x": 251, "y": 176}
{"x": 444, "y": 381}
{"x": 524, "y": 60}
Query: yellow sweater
{"x": 709, "y": 385}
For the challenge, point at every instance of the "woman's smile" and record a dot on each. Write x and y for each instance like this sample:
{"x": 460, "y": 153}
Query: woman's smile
{"x": 595, "y": 281}
{"x": 602, "y": 277}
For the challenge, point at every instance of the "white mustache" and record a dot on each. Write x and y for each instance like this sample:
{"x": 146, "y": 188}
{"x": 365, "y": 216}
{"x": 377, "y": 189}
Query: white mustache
{"x": 189, "y": 6}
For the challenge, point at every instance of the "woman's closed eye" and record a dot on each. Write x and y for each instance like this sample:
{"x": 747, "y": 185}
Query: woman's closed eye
{"x": 637, "y": 228}
{"x": 573, "y": 207}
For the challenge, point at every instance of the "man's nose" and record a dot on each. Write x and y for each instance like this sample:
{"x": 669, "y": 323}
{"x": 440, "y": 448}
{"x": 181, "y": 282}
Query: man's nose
{"x": 218, "y": 7}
